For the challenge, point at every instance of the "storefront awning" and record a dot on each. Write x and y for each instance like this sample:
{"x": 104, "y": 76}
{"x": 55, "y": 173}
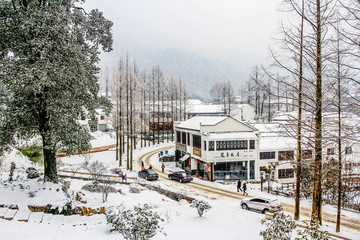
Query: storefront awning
{"x": 184, "y": 158}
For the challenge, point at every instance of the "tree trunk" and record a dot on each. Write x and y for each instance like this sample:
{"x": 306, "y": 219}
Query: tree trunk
{"x": 50, "y": 170}
{"x": 299, "y": 136}
{"x": 317, "y": 194}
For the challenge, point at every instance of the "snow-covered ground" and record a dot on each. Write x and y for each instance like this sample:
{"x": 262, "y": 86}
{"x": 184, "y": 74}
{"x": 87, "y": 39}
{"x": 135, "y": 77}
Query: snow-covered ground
{"x": 225, "y": 220}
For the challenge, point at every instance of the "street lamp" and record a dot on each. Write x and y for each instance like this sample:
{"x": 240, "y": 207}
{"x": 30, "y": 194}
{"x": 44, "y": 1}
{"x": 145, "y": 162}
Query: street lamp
{"x": 270, "y": 174}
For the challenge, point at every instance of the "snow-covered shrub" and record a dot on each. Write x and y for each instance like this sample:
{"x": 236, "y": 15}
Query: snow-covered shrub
{"x": 12, "y": 168}
{"x": 121, "y": 192}
{"x": 312, "y": 232}
{"x": 65, "y": 188}
{"x": 201, "y": 206}
{"x": 280, "y": 228}
{"x": 32, "y": 194}
{"x": 33, "y": 174}
{"x": 116, "y": 171}
{"x": 136, "y": 223}
{"x": 67, "y": 209}
{"x": 97, "y": 188}
{"x": 134, "y": 189}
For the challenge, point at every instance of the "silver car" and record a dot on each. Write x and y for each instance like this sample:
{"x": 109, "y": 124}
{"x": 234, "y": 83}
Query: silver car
{"x": 261, "y": 204}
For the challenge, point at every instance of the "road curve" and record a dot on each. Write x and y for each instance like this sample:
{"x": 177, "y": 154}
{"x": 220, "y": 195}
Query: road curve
{"x": 327, "y": 217}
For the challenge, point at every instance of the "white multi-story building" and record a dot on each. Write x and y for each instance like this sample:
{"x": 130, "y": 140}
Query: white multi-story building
{"x": 218, "y": 147}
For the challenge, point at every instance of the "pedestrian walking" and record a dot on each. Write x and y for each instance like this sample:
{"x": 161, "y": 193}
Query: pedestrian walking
{"x": 244, "y": 188}
{"x": 239, "y": 185}
{"x": 162, "y": 167}
{"x": 150, "y": 167}
{"x": 142, "y": 165}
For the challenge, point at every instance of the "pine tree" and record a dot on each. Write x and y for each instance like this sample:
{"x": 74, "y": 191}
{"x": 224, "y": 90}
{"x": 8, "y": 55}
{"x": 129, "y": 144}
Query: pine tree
{"x": 48, "y": 62}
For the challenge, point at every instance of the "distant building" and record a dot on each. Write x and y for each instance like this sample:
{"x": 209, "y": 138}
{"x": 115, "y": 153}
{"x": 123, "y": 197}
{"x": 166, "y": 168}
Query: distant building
{"x": 99, "y": 123}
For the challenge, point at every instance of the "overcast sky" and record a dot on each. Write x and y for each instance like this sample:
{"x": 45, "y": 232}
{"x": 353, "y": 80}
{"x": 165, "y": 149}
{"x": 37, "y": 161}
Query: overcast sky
{"x": 212, "y": 28}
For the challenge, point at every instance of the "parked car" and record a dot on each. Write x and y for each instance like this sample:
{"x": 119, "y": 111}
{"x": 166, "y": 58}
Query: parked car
{"x": 148, "y": 174}
{"x": 261, "y": 204}
{"x": 180, "y": 176}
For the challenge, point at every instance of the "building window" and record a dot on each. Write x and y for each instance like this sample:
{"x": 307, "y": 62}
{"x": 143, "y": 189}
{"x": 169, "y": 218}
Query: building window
{"x": 178, "y": 137}
{"x": 205, "y": 145}
{"x": 306, "y": 154}
{"x": 183, "y": 137}
{"x": 102, "y": 117}
{"x": 243, "y": 144}
{"x": 267, "y": 155}
{"x": 211, "y": 145}
{"x": 285, "y": 173}
{"x": 197, "y": 141}
{"x": 348, "y": 150}
{"x": 188, "y": 139}
{"x": 252, "y": 144}
{"x": 286, "y": 155}
{"x": 331, "y": 151}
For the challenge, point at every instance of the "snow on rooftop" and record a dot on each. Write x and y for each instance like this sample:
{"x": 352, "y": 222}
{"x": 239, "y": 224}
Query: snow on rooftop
{"x": 277, "y": 143}
{"x": 233, "y": 135}
{"x": 205, "y": 108}
{"x": 194, "y": 123}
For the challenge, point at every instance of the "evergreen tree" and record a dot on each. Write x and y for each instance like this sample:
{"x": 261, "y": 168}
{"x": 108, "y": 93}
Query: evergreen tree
{"x": 48, "y": 56}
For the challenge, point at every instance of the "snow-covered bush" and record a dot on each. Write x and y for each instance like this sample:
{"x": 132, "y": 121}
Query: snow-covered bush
{"x": 201, "y": 206}
{"x": 98, "y": 188}
{"x": 134, "y": 189}
{"x": 312, "y": 232}
{"x": 32, "y": 194}
{"x": 280, "y": 228}
{"x": 136, "y": 223}
{"x": 116, "y": 171}
{"x": 33, "y": 174}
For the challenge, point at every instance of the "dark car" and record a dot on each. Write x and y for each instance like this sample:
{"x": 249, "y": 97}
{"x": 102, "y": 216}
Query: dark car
{"x": 180, "y": 176}
{"x": 148, "y": 174}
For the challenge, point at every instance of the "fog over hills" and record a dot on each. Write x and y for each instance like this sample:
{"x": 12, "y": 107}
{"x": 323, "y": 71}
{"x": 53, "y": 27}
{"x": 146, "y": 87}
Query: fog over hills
{"x": 199, "y": 72}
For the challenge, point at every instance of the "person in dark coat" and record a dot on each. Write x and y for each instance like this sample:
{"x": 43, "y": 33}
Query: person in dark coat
{"x": 244, "y": 188}
{"x": 142, "y": 165}
{"x": 239, "y": 185}
{"x": 150, "y": 167}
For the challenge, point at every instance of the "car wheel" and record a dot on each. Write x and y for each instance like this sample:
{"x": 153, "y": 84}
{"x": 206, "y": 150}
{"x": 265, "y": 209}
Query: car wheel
{"x": 170, "y": 177}
{"x": 245, "y": 206}
{"x": 146, "y": 178}
{"x": 180, "y": 180}
{"x": 265, "y": 210}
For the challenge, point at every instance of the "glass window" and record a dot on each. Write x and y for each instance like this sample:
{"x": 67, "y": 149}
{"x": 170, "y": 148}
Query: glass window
{"x": 252, "y": 144}
{"x": 306, "y": 154}
{"x": 178, "y": 137}
{"x": 286, "y": 155}
{"x": 183, "y": 138}
{"x": 285, "y": 173}
{"x": 211, "y": 145}
{"x": 197, "y": 141}
{"x": 267, "y": 155}
{"x": 205, "y": 145}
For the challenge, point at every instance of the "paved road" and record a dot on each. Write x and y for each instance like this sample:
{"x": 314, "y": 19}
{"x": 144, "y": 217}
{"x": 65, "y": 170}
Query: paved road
{"x": 329, "y": 218}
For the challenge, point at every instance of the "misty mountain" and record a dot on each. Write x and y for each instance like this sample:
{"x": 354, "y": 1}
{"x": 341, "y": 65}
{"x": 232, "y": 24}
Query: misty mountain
{"x": 198, "y": 72}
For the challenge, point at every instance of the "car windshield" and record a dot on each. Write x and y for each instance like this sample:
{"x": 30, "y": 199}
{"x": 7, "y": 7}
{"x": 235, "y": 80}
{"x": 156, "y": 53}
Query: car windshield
{"x": 151, "y": 171}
